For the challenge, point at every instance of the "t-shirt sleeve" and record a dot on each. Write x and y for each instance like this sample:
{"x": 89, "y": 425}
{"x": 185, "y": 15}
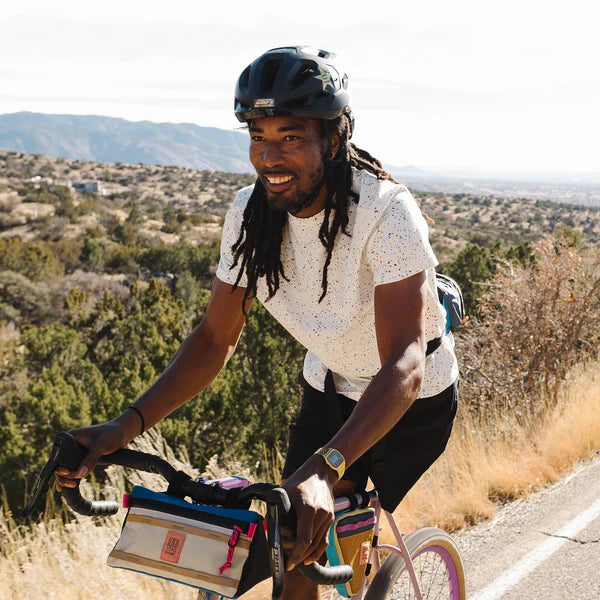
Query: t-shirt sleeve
{"x": 398, "y": 246}
{"x": 231, "y": 232}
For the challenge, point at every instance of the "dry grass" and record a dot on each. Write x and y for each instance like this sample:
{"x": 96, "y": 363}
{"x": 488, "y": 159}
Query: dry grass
{"x": 480, "y": 468}
{"x": 52, "y": 560}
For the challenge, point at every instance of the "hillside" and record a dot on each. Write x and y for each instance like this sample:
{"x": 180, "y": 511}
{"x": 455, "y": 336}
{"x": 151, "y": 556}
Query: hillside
{"x": 106, "y": 267}
{"x": 172, "y": 203}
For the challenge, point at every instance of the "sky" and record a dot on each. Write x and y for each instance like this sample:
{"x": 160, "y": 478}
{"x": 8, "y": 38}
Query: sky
{"x": 507, "y": 87}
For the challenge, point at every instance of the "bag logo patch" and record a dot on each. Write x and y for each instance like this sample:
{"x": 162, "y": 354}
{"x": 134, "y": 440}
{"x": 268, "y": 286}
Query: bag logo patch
{"x": 171, "y": 550}
{"x": 364, "y": 553}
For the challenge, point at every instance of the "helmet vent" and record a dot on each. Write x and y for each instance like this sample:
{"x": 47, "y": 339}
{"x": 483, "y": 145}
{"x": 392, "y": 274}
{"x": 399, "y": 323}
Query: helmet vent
{"x": 269, "y": 73}
{"x": 296, "y": 102}
{"x": 243, "y": 80}
{"x": 305, "y": 73}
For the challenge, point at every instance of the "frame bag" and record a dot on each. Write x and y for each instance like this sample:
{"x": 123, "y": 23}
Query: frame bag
{"x": 220, "y": 550}
{"x": 350, "y": 540}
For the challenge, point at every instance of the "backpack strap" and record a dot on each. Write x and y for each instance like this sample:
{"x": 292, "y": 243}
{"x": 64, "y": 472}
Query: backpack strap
{"x": 433, "y": 345}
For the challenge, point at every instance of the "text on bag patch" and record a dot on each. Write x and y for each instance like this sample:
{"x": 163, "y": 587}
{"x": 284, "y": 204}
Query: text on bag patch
{"x": 171, "y": 550}
{"x": 365, "y": 547}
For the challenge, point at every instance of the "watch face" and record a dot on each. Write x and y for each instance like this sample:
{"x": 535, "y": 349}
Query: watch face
{"x": 335, "y": 458}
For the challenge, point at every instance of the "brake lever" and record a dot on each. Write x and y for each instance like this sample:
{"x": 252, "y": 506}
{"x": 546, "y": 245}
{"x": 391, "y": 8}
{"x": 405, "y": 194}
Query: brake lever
{"x": 65, "y": 452}
{"x": 278, "y": 508}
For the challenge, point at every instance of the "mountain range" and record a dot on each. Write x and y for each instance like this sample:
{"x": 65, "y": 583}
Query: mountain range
{"x": 107, "y": 139}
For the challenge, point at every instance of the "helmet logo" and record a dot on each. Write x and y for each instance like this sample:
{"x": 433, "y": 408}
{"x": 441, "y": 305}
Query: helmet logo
{"x": 264, "y": 103}
{"x": 325, "y": 78}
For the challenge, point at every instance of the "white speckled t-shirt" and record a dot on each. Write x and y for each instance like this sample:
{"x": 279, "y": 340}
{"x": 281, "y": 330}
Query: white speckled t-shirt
{"x": 388, "y": 242}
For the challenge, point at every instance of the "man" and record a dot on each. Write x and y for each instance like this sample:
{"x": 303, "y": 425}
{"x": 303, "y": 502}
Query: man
{"x": 339, "y": 254}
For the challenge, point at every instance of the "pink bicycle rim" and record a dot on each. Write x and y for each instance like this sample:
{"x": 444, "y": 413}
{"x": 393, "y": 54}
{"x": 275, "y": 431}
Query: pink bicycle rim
{"x": 449, "y": 562}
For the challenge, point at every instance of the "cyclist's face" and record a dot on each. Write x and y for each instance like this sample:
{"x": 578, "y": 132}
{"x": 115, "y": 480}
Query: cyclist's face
{"x": 288, "y": 155}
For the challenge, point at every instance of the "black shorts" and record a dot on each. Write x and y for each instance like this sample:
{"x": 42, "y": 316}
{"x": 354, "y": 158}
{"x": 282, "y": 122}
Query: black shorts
{"x": 397, "y": 461}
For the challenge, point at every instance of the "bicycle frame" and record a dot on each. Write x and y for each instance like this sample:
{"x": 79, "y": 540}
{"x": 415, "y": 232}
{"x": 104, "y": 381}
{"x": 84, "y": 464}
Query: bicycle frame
{"x": 374, "y": 557}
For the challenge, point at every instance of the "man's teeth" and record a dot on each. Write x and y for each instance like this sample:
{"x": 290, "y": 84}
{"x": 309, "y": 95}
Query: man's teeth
{"x": 275, "y": 179}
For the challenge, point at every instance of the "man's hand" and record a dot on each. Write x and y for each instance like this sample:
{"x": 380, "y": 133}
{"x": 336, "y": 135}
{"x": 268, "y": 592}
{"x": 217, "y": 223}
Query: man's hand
{"x": 100, "y": 440}
{"x": 310, "y": 490}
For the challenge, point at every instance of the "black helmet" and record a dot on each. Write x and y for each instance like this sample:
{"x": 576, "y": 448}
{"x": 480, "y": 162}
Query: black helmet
{"x": 293, "y": 81}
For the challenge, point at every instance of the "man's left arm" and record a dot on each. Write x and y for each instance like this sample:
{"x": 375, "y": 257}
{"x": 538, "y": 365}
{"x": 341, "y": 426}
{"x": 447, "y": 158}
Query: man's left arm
{"x": 401, "y": 344}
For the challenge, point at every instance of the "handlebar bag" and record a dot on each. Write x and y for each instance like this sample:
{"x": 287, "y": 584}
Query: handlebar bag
{"x": 220, "y": 550}
{"x": 350, "y": 541}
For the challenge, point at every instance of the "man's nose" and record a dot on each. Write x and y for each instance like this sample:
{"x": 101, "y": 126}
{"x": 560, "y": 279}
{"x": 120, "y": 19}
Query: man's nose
{"x": 272, "y": 154}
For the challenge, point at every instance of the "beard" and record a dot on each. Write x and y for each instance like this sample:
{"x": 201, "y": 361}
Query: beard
{"x": 296, "y": 202}
{"x": 292, "y": 204}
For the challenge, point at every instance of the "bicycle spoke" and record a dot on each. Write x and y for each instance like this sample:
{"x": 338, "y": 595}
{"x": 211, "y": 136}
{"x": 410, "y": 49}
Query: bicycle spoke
{"x": 432, "y": 577}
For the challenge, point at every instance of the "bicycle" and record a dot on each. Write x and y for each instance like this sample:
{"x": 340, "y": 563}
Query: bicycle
{"x": 424, "y": 565}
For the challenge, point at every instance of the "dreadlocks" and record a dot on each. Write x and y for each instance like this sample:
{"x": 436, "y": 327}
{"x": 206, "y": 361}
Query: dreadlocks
{"x": 257, "y": 249}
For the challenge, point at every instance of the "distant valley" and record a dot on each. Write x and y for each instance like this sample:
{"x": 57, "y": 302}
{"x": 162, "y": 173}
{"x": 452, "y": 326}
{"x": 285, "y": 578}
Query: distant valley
{"x": 112, "y": 140}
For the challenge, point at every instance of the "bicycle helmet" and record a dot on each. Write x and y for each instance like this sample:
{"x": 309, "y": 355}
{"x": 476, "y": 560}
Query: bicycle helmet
{"x": 293, "y": 81}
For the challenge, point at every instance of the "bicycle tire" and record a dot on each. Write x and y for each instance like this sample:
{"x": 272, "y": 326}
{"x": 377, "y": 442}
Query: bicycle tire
{"x": 438, "y": 567}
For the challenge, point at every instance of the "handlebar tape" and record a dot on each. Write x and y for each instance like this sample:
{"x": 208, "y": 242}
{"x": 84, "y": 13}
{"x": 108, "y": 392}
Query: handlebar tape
{"x": 326, "y": 575}
{"x": 140, "y": 461}
{"x": 125, "y": 458}
{"x": 88, "y": 508}
{"x": 72, "y": 453}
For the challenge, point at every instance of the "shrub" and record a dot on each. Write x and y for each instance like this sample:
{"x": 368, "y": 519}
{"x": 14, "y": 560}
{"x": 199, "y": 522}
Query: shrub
{"x": 536, "y": 321}
{"x": 34, "y": 259}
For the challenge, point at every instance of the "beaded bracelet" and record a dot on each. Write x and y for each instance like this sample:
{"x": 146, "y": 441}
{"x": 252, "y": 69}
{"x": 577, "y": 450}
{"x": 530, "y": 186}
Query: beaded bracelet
{"x": 139, "y": 412}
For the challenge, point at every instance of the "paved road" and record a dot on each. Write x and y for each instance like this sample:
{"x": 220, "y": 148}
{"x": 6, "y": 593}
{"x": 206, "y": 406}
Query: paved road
{"x": 545, "y": 547}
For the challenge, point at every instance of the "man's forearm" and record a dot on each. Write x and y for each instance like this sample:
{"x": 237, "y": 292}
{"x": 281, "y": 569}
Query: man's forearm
{"x": 385, "y": 401}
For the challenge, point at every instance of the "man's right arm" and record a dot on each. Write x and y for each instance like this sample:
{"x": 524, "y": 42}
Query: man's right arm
{"x": 196, "y": 363}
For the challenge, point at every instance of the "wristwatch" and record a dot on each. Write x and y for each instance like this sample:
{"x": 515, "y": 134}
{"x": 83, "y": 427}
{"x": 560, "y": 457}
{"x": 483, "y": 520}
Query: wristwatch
{"x": 334, "y": 458}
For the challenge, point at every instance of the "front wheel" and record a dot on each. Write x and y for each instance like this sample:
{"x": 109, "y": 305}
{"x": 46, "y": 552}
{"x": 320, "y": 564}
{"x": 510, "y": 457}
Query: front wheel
{"x": 437, "y": 565}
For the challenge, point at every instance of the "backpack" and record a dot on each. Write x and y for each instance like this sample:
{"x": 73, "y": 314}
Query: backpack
{"x": 451, "y": 299}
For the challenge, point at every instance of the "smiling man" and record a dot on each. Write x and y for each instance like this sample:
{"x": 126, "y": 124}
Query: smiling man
{"x": 338, "y": 253}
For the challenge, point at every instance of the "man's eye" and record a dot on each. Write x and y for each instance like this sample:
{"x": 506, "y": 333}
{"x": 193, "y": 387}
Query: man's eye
{"x": 257, "y": 138}
{"x": 291, "y": 138}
